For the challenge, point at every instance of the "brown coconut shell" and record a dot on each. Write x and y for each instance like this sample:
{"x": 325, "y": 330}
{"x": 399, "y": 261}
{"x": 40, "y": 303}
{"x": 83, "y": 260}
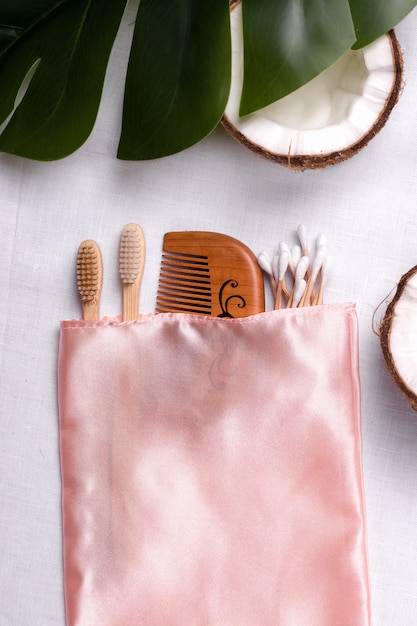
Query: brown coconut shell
{"x": 302, "y": 162}
{"x": 385, "y": 334}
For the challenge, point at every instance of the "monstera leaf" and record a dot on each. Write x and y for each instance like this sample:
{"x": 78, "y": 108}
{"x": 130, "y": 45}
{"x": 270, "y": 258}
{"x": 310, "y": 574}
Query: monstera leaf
{"x": 67, "y": 43}
{"x": 373, "y": 18}
{"x": 54, "y": 56}
{"x": 289, "y": 43}
{"x": 178, "y": 77}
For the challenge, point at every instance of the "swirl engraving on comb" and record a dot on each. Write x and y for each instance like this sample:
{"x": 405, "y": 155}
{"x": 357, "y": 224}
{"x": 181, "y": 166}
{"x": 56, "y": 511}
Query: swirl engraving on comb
{"x": 225, "y": 300}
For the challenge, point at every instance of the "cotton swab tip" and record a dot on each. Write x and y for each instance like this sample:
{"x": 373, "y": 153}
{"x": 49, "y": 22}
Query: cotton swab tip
{"x": 318, "y": 261}
{"x": 296, "y": 254}
{"x": 321, "y": 240}
{"x": 299, "y": 290}
{"x": 265, "y": 263}
{"x": 302, "y": 267}
{"x": 302, "y": 236}
{"x": 282, "y": 265}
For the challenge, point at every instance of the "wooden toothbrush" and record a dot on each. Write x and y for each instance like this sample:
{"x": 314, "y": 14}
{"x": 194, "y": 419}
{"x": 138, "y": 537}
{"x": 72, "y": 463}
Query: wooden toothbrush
{"x": 89, "y": 278}
{"x": 131, "y": 266}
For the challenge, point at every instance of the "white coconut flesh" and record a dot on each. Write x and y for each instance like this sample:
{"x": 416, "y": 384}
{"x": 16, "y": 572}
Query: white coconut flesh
{"x": 329, "y": 116}
{"x": 399, "y": 336}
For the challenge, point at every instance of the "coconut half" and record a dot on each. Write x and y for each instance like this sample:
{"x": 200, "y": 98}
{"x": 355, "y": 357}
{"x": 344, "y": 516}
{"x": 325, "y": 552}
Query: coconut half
{"x": 329, "y": 119}
{"x": 398, "y": 336}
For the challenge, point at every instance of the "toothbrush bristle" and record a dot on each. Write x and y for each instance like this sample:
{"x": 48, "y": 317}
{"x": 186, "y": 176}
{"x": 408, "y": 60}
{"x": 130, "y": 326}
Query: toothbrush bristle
{"x": 88, "y": 271}
{"x": 130, "y": 253}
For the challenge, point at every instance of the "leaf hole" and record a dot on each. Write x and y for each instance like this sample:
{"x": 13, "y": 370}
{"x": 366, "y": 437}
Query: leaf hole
{"x": 21, "y": 92}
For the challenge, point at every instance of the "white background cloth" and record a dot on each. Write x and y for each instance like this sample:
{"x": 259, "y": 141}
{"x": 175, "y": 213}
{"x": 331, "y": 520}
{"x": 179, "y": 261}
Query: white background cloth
{"x": 367, "y": 209}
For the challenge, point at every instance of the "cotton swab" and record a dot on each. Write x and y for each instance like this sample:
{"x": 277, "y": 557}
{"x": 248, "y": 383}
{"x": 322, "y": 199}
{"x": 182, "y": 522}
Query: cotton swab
{"x": 299, "y": 289}
{"x": 321, "y": 240}
{"x": 297, "y": 275}
{"x": 283, "y": 247}
{"x": 305, "y": 248}
{"x": 296, "y": 254}
{"x": 266, "y": 265}
{"x": 324, "y": 273}
{"x": 282, "y": 266}
{"x": 300, "y": 273}
{"x": 315, "y": 270}
{"x": 302, "y": 236}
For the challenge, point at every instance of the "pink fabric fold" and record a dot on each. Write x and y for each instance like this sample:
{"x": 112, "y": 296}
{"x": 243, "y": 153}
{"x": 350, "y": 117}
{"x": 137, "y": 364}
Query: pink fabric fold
{"x": 211, "y": 470}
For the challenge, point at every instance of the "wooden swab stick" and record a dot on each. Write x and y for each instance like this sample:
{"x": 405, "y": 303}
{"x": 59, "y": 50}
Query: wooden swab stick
{"x": 299, "y": 290}
{"x": 324, "y": 272}
{"x": 315, "y": 270}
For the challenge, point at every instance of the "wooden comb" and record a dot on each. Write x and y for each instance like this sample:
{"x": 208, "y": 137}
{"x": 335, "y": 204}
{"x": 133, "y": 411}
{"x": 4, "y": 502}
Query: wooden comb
{"x": 211, "y": 274}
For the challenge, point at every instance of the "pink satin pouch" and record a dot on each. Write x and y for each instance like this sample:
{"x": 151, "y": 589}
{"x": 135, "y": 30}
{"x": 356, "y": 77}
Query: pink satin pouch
{"x": 211, "y": 470}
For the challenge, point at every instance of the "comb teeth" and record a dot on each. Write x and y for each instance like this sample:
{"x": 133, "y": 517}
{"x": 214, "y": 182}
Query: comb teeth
{"x": 130, "y": 260}
{"x": 89, "y": 273}
{"x": 184, "y": 284}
